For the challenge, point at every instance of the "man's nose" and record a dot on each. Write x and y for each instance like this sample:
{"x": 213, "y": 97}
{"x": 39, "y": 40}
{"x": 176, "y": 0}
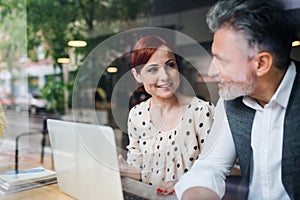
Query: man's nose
{"x": 213, "y": 70}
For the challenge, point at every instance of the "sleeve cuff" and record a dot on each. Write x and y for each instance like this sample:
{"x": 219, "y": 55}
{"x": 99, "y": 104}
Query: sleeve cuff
{"x": 203, "y": 179}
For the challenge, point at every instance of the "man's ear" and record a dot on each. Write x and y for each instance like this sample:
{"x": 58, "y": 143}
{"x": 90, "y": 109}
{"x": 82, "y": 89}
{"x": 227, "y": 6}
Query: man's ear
{"x": 136, "y": 75}
{"x": 264, "y": 63}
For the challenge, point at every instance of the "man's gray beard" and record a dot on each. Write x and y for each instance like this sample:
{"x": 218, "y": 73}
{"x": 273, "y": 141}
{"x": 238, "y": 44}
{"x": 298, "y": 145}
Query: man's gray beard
{"x": 236, "y": 90}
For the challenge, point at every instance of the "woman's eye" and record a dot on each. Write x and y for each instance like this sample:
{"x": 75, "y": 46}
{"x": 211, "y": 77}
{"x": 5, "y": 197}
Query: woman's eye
{"x": 171, "y": 64}
{"x": 152, "y": 69}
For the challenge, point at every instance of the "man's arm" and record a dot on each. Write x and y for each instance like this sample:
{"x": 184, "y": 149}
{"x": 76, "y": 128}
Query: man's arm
{"x": 195, "y": 193}
{"x": 208, "y": 173}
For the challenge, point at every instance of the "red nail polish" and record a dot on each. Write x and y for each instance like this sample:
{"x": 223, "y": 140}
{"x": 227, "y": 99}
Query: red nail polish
{"x": 166, "y": 191}
{"x": 173, "y": 191}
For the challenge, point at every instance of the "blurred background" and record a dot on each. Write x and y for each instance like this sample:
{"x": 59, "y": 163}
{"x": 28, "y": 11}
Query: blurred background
{"x": 44, "y": 43}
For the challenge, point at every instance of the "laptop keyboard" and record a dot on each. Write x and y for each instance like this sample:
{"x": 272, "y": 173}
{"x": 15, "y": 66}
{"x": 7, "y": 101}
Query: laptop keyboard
{"x": 130, "y": 196}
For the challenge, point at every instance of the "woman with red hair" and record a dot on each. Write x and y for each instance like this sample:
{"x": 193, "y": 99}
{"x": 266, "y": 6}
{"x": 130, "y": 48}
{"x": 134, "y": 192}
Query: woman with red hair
{"x": 166, "y": 131}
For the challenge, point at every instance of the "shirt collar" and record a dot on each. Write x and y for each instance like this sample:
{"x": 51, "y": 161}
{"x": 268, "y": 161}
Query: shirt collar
{"x": 282, "y": 93}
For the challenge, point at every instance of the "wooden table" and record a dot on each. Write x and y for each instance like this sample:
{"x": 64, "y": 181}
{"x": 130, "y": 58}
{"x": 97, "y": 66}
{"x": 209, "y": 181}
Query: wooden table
{"x": 52, "y": 192}
{"x": 49, "y": 192}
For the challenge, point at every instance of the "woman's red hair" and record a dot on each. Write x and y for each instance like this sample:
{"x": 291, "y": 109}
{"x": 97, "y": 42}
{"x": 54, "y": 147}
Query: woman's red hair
{"x": 144, "y": 49}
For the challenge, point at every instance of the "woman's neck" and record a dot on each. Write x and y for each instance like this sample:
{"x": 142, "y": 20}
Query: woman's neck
{"x": 166, "y": 115}
{"x": 166, "y": 103}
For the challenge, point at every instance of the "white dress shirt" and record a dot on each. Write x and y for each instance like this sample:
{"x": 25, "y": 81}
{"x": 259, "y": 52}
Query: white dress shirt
{"x": 218, "y": 154}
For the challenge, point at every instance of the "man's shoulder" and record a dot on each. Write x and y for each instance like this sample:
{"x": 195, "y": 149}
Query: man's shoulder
{"x": 236, "y": 101}
{"x": 297, "y": 78}
{"x": 297, "y": 64}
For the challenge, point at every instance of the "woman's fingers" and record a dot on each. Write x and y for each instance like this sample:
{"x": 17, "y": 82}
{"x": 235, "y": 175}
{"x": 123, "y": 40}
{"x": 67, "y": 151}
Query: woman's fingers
{"x": 121, "y": 159}
{"x": 167, "y": 188}
{"x": 165, "y": 191}
{"x": 123, "y": 166}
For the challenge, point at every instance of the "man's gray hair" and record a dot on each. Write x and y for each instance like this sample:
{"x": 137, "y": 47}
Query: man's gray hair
{"x": 264, "y": 24}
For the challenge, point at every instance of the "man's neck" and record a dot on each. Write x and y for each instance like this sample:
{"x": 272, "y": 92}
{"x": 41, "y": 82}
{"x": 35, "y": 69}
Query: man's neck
{"x": 267, "y": 86}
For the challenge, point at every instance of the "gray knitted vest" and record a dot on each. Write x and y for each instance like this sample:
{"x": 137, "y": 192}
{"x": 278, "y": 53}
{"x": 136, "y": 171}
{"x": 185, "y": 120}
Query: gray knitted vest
{"x": 240, "y": 118}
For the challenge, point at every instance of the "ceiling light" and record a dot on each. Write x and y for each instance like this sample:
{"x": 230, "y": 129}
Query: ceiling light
{"x": 63, "y": 60}
{"x": 77, "y": 43}
{"x": 296, "y": 43}
{"x": 112, "y": 69}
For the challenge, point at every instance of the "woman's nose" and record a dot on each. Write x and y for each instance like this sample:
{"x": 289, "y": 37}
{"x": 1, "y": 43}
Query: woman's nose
{"x": 163, "y": 74}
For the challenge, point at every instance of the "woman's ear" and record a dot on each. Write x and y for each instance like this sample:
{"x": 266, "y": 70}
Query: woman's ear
{"x": 264, "y": 63}
{"x": 136, "y": 75}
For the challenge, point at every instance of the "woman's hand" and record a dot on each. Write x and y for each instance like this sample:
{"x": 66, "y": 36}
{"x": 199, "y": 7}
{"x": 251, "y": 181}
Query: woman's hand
{"x": 167, "y": 188}
{"x": 128, "y": 170}
{"x": 123, "y": 165}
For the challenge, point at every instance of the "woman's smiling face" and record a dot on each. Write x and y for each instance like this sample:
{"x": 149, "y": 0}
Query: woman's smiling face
{"x": 160, "y": 75}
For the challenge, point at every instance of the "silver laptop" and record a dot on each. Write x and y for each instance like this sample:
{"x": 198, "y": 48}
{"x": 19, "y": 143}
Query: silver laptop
{"x": 85, "y": 160}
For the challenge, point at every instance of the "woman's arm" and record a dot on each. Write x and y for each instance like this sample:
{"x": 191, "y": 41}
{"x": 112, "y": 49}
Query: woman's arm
{"x": 131, "y": 167}
{"x": 128, "y": 170}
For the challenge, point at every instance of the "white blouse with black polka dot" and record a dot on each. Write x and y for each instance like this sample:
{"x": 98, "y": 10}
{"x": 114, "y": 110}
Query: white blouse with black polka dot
{"x": 167, "y": 155}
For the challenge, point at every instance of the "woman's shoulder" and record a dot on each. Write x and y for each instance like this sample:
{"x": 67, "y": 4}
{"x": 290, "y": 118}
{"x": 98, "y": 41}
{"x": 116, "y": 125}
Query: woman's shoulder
{"x": 139, "y": 108}
{"x": 139, "y": 115}
{"x": 195, "y": 101}
{"x": 197, "y": 105}
{"x": 198, "y": 101}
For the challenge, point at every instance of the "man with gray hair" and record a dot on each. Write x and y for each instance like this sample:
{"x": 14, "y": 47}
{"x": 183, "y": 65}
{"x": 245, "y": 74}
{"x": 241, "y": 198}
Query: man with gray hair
{"x": 256, "y": 118}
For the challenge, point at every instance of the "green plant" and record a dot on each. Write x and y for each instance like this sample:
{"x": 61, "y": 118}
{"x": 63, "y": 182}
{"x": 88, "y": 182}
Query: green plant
{"x": 53, "y": 91}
